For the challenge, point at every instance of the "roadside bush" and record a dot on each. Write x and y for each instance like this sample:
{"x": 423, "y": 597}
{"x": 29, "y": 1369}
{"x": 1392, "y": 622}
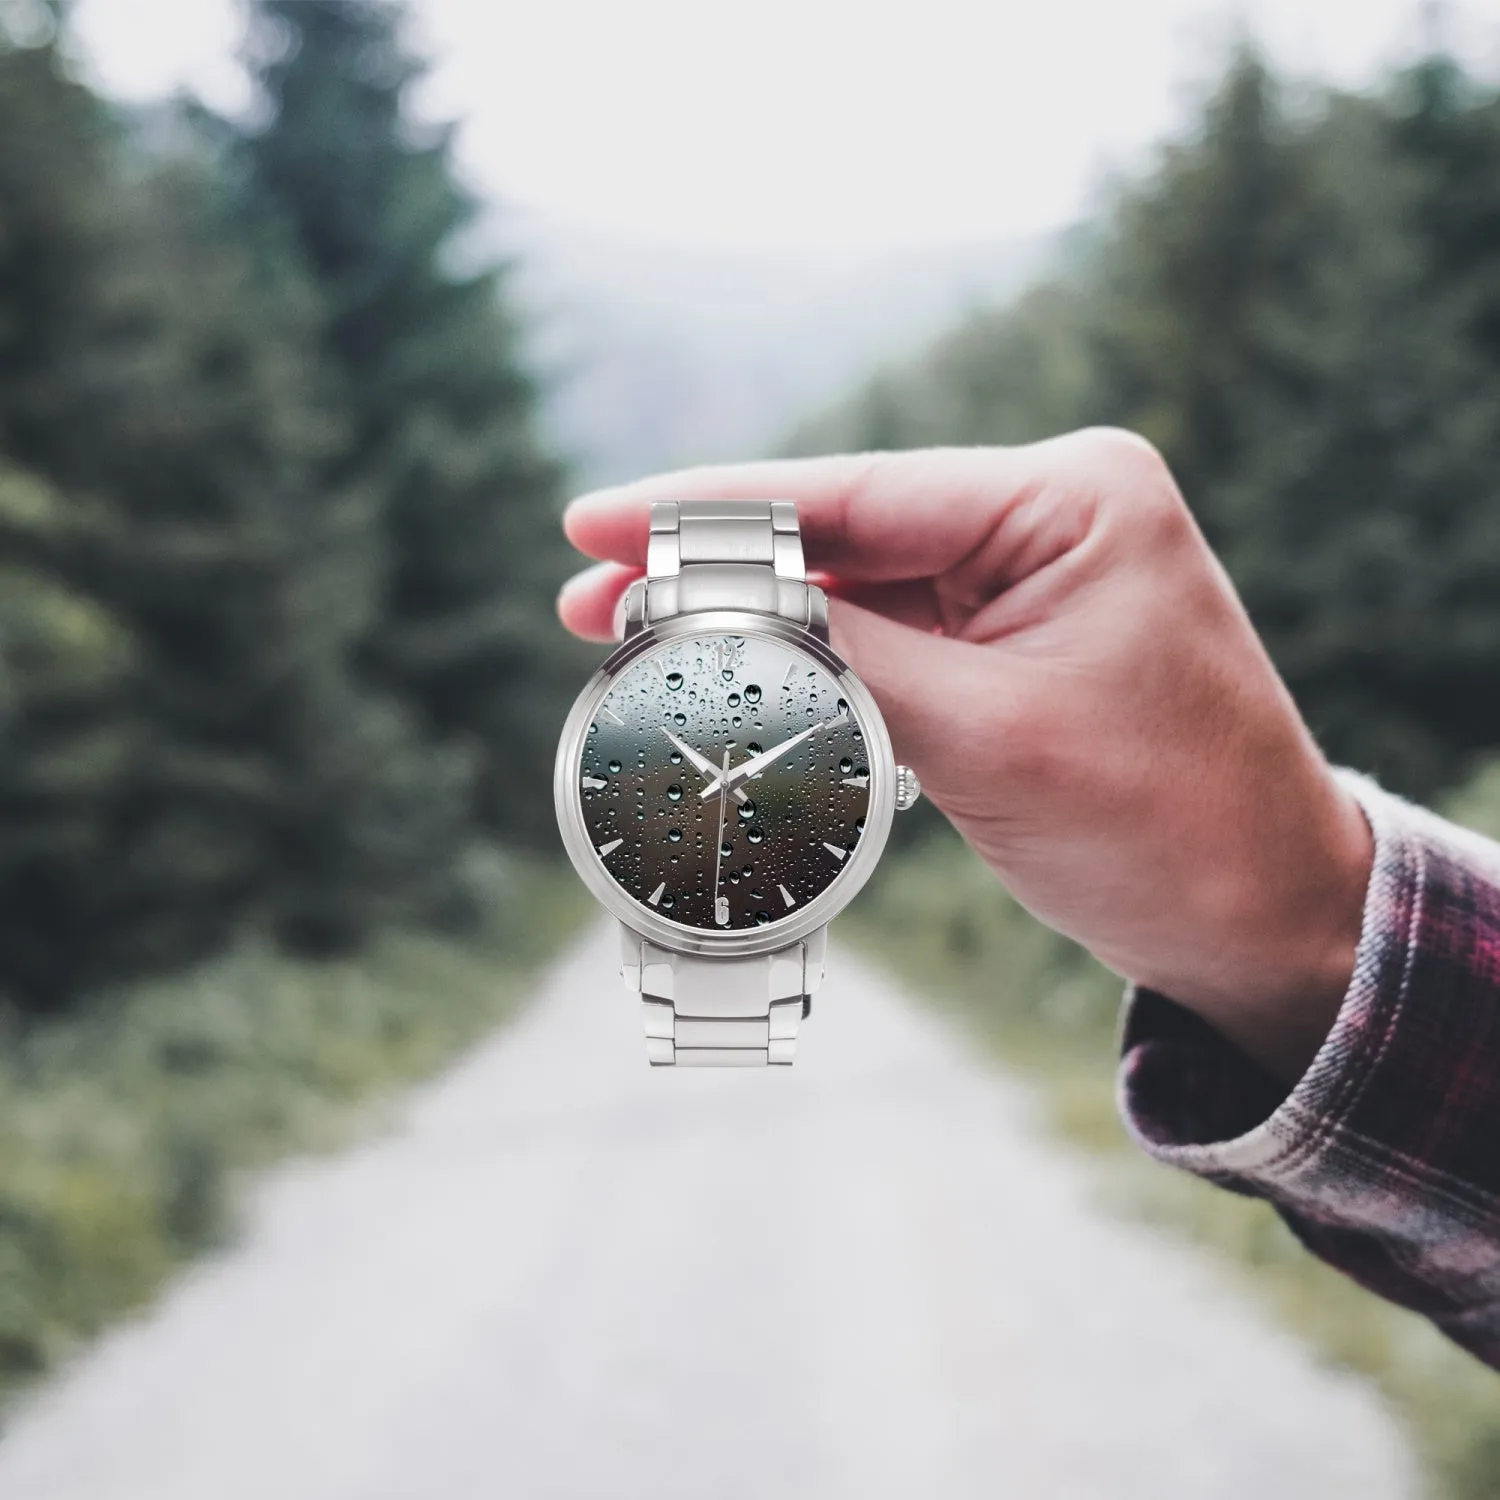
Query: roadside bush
{"x": 125, "y": 1126}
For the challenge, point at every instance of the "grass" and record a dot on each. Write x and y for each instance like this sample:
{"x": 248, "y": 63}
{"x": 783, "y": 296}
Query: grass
{"x": 125, "y": 1127}
{"x": 937, "y": 917}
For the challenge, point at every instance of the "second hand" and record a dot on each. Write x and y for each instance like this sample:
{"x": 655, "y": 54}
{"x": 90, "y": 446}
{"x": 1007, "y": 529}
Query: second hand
{"x": 721, "y": 920}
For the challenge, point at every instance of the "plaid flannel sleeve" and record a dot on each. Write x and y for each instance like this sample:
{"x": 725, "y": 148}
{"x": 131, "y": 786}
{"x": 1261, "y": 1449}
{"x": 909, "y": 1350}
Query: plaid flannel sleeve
{"x": 1385, "y": 1157}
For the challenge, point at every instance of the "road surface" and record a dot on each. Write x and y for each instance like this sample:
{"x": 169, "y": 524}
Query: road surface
{"x": 564, "y": 1276}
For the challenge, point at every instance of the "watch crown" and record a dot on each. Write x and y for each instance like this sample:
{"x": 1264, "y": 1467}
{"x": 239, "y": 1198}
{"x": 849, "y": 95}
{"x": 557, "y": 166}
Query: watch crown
{"x": 908, "y": 788}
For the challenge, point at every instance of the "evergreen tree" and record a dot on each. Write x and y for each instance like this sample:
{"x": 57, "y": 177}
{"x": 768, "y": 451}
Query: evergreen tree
{"x": 165, "y": 395}
{"x": 1360, "y": 521}
{"x": 66, "y": 756}
{"x": 1302, "y": 309}
{"x": 440, "y": 413}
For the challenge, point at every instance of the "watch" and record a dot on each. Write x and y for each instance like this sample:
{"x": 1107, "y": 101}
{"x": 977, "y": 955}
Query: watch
{"x": 725, "y": 784}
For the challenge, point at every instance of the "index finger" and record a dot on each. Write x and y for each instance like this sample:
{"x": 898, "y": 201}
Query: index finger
{"x": 871, "y": 517}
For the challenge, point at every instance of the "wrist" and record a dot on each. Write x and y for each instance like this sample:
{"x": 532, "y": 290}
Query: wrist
{"x": 1288, "y": 942}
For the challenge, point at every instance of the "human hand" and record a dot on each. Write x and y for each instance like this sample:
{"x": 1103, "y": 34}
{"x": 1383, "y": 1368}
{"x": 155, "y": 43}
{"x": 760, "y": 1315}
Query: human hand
{"x": 1066, "y": 666}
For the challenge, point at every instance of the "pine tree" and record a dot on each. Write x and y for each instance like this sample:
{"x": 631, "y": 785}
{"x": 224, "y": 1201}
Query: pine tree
{"x": 67, "y": 751}
{"x": 441, "y": 416}
{"x": 166, "y": 396}
{"x": 1301, "y": 308}
{"x": 1340, "y": 449}
{"x": 1206, "y": 281}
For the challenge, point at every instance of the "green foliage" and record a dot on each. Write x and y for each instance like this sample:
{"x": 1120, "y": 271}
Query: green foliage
{"x": 939, "y": 918}
{"x": 440, "y": 416}
{"x": 277, "y": 534}
{"x": 163, "y": 399}
{"x": 1476, "y": 804}
{"x": 124, "y": 1126}
{"x": 1300, "y": 305}
{"x": 274, "y": 543}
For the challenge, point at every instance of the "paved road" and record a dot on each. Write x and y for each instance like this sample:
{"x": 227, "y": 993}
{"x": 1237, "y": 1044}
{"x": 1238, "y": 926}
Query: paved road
{"x": 565, "y": 1277}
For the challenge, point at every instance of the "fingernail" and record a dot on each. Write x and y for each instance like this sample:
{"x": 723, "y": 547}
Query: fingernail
{"x": 594, "y": 500}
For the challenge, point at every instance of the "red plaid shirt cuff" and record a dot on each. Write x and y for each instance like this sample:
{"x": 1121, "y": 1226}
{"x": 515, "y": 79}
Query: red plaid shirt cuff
{"x": 1385, "y": 1157}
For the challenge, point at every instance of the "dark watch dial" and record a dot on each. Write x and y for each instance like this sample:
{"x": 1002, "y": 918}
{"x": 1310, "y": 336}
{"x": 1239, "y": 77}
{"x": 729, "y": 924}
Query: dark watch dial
{"x": 706, "y": 849}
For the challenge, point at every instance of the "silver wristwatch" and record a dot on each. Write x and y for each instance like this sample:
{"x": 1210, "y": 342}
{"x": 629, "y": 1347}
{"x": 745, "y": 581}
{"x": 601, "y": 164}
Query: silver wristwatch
{"x": 725, "y": 784}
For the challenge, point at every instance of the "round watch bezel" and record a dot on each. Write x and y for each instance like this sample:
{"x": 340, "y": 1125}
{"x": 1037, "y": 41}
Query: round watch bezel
{"x": 640, "y": 917}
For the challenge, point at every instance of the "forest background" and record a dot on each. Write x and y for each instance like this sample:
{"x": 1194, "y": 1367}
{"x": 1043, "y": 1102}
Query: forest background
{"x": 279, "y": 672}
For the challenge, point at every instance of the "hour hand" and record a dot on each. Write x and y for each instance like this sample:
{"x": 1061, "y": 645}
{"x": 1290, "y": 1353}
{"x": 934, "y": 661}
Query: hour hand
{"x": 701, "y": 763}
{"x": 757, "y": 763}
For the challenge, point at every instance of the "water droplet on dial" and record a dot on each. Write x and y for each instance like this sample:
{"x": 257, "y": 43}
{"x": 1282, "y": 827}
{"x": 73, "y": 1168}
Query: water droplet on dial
{"x": 733, "y": 700}
{"x": 845, "y": 766}
{"x": 755, "y": 835}
{"x": 614, "y": 768}
{"x": 752, "y": 694}
{"x": 674, "y": 680}
{"x": 680, "y": 720}
{"x": 674, "y": 835}
{"x": 674, "y": 794}
{"x": 747, "y": 811}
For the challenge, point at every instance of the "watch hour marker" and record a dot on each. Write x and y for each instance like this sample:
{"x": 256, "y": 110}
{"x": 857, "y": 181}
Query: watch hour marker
{"x": 594, "y": 782}
{"x": 836, "y": 852}
{"x": 858, "y": 782}
{"x": 791, "y": 672}
{"x": 787, "y": 896}
{"x": 656, "y": 662}
{"x": 610, "y": 847}
{"x": 656, "y": 895}
{"x": 606, "y": 712}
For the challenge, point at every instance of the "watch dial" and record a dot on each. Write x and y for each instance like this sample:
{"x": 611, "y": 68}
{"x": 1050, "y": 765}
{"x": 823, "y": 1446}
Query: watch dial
{"x": 695, "y": 848}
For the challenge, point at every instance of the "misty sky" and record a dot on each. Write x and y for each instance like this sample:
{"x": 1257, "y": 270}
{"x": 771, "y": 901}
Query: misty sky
{"x": 808, "y": 125}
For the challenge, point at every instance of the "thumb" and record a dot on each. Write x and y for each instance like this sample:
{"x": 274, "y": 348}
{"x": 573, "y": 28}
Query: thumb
{"x": 933, "y": 692}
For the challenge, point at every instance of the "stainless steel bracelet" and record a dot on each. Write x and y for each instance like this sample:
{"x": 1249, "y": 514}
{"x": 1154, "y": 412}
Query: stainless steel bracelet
{"x": 724, "y": 1012}
{"x": 725, "y": 554}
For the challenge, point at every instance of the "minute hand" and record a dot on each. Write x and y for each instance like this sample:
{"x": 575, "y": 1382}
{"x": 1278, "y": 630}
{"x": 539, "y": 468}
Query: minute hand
{"x": 758, "y": 763}
{"x": 700, "y": 763}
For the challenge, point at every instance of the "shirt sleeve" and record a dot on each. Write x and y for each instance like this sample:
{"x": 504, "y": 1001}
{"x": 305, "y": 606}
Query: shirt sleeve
{"x": 1384, "y": 1158}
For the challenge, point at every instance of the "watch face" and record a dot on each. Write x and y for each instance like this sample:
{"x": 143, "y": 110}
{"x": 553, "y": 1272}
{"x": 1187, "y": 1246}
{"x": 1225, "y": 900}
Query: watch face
{"x": 702, "y": 850}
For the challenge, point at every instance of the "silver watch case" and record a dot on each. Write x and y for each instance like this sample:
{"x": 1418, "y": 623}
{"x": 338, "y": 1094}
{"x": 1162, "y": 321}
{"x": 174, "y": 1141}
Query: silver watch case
{"x": 641, "y": 918}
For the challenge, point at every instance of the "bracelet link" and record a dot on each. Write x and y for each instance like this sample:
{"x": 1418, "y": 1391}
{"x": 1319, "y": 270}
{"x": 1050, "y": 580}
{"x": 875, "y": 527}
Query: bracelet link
{"x": 726, "y": 554}
{"x": 721, "y": 1012}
